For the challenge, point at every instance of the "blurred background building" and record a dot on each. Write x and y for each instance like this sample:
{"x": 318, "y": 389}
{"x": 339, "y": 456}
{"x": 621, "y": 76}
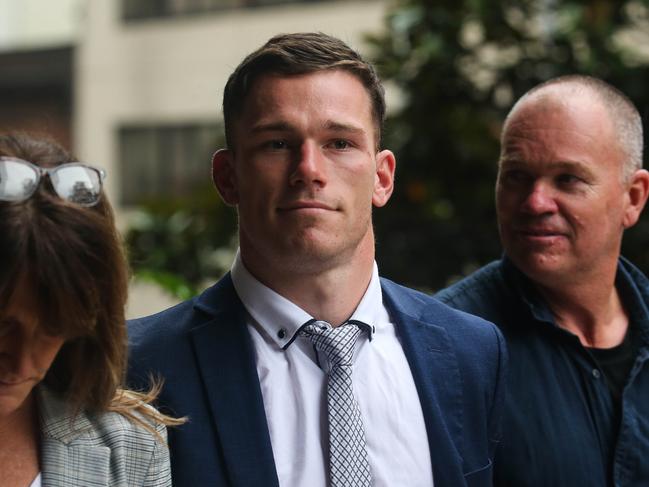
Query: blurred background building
{"x": 37, "y": 40}
{"x": 135, "y": 86}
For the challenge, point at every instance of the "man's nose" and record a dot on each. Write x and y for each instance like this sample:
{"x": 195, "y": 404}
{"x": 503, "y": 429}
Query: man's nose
{"x": 309, "y": 165}
{"x": 540, "y": 199}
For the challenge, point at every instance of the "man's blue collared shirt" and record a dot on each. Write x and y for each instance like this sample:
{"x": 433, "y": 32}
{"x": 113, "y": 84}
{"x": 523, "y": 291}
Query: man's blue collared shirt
{"x": 561, "y": 426}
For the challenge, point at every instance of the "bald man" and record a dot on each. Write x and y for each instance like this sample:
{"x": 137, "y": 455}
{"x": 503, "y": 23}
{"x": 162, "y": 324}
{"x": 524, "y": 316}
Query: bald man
{"x": 574, "y": 312}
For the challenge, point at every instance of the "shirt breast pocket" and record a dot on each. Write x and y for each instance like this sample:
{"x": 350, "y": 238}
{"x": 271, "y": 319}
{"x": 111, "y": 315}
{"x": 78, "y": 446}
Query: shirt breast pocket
{"x": 483, "y": 477}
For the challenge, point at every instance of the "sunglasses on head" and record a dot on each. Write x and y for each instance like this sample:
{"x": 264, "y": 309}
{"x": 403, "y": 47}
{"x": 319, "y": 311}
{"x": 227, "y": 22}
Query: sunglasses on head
{"x": 74, "y": 182}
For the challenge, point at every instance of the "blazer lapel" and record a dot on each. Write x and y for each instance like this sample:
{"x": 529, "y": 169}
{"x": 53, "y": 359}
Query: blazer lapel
{"x": 63, "y": 462}
{"x": 226, "y": 362}
{"x": 436, "y": 374}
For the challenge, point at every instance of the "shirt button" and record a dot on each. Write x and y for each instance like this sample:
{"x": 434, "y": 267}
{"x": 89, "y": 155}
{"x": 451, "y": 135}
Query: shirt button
{"x": 281, "y": 333}
{"x": 596, "y": 374}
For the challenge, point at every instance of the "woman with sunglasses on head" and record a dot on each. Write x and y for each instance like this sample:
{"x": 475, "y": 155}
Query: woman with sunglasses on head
{"x": 65, "y": 419}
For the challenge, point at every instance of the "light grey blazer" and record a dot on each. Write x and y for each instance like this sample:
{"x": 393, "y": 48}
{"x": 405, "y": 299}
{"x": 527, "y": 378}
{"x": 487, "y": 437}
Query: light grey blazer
{"x": 98, "y": 449}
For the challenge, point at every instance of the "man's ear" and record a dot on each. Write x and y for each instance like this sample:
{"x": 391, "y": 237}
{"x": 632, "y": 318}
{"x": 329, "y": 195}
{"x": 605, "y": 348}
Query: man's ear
{"x": 636, "y": 197}
{"x": 224, "y": 176}
{"x": 384, "y": 178}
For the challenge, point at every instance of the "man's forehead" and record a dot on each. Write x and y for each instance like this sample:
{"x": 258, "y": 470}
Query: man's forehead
{"x": 514, "y": 161}
{"x": 560, "y": 134}
{"x": 562, "y": 108}
{"x": 263, "y": 110}
{"x": 259, "y": 82}
{"x": 557, "y": 98}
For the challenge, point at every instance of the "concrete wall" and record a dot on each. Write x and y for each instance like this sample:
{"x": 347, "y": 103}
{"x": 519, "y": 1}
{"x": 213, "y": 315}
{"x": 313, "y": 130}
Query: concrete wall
{"x": 25, "y": 24}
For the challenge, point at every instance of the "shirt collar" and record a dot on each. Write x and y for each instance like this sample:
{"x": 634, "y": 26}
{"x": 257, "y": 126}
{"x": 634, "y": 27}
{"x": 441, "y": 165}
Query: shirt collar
{"x": 280, "y": 319}
{"x": 628, "y": 281}
{"x": 528, "y": 293}
{"x": 633, "y": 286}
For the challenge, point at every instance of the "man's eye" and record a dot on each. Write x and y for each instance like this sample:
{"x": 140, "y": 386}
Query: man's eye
{"x": 276, "y": 144}
{"x": 340, "y": 144}
{"x": 566, "y": 179}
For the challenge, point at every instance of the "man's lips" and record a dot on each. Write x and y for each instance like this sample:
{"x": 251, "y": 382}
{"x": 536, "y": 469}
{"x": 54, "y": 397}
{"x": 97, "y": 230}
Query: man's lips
{"x": 305, "y": 205}
{"x": 540, "y": 235}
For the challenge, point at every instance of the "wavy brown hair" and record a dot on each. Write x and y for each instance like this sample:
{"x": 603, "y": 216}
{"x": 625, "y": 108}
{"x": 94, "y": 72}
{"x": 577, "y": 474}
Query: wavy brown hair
{"x": 73, "y": 258}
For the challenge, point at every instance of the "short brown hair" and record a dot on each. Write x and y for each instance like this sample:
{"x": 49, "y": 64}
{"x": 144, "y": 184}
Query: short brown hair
{"x": 297, "y": 54}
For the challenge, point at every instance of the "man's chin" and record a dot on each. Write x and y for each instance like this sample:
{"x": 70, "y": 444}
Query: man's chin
{"x": 541, "y": 267}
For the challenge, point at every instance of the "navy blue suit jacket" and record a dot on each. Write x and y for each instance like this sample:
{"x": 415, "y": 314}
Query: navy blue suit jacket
{"x": 203, "y": 351}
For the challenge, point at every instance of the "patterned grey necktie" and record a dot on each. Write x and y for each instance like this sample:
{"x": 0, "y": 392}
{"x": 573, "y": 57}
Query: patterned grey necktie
{"x": 348, "y": 462}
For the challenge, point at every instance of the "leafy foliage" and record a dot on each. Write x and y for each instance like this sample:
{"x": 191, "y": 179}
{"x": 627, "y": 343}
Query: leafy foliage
{"x": 459, "y": 65}
{"x": 183, "y": 244}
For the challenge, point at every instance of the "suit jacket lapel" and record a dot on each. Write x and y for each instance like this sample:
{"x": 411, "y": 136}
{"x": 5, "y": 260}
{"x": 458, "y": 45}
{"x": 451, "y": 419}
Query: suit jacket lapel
{"x": 436, "y": 374}
{"x": 64, "y": 462}
{"x": 226, "y": 362}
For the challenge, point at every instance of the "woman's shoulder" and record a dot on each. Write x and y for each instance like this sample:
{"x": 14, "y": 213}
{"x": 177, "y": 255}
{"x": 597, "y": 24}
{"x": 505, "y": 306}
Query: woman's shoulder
{"x": 135, "y": 444}
{"x": 131, "y": 431}
{"x": 60, "y": 421}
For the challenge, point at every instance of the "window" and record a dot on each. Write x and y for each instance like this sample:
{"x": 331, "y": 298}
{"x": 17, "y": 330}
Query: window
{"x": 144, "y": 9}
{"x": 165, "y": 160}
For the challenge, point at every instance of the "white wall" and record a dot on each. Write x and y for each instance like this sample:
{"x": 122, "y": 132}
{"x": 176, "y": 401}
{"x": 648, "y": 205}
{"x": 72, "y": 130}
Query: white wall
{"x": 26, "y": 24}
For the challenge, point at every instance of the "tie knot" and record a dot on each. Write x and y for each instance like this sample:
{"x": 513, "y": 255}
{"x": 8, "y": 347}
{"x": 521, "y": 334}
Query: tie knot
{"x": 336, "y": 343}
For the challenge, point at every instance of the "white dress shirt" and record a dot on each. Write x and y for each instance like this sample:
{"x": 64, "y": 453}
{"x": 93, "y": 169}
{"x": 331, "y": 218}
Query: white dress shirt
{"x": 293, "y": 387}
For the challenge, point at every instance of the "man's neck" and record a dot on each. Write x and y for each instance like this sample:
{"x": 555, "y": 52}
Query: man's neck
{"x": 332, "y": 296}
{"x": 329, "y": 293}
{"x": 593, "y": 311}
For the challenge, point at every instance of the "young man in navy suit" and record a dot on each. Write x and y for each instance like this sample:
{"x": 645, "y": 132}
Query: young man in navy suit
{"x": 413, "y": 398}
